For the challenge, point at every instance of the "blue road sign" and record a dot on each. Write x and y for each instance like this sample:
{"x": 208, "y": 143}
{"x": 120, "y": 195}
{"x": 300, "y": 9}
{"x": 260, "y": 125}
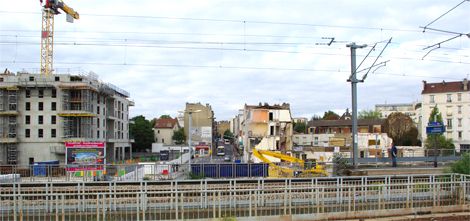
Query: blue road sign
{"x": 435, "y": 129}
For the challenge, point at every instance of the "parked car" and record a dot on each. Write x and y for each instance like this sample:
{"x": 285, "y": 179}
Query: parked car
{"x": 226, "y": 141}
{"x": 227, "y": 158}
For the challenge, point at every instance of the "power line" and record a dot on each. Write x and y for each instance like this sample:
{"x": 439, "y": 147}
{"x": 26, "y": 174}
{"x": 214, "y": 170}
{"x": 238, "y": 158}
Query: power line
{"x": 233, "y": 21}
{"x": 222, "y": 49}
{"x": 229, "y": 67}
{"x": 425, "y": 27}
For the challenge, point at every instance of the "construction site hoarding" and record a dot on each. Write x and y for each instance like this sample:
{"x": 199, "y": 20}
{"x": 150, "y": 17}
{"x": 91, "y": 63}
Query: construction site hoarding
{"x": 85, "y": 155}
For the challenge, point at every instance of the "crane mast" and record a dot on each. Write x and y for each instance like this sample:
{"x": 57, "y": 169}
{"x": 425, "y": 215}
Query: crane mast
{"x": 50, "y": 9}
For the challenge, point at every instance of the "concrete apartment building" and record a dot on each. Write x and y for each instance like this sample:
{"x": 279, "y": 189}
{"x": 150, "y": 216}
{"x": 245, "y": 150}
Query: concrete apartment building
{"x": 38, "y": 114}
{"x": 164, "y": 129}
{"x": 409, "y": 109}
{"x": 453, "y": 101}
{"x": 268, "y": 127}
{"x": 202, "y": 123}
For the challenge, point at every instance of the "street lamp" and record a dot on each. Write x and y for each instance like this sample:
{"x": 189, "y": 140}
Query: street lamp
{"x": 212, "y": 137}
{"x": 190, "y": 112}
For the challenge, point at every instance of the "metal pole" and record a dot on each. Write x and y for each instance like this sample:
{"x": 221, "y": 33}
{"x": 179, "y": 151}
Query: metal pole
{"x": 435, "y": 143}
{"x": 189, "y": 139}
{"x": 354, "y": 81}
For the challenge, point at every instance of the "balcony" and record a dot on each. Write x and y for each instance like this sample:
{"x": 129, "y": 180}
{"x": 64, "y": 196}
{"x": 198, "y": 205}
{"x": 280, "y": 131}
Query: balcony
{"x": 57, "y": 149}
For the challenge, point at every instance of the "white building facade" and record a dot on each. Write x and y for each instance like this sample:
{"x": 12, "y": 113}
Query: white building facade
{"x": 453, "y": 101}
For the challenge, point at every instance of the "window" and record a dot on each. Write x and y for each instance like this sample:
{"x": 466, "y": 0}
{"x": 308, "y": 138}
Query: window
{"x": 27, "y": 133}
{"x": 53, "y": 106}
{"x": 53, "y": 119}
{"x": 459, "y": 97}
{"x": 31, "y": 78}
{"x": 40, "y": 119}
{"x": 40, "y": 106}
{"x": 449, "y": 123}
{"x": 158, "y": 131}
{"x": 27, "y": 119}
{"x": 41, "y": 93}
{"x": 54, "y": 93}
{"x": 97, "y": 110}
{"x": 98, "y": 124}
{"x": 98, "y": 134}
{"x": 316, "y": 141}
{"x": 271, "y": 131}
{"x": 1, "y": 79}
{"x": 28, "y": 93}
{"x": 459, "y": 122}
{"x": 271, "y": 116}
{"x": 449, "y": 98}
{"x": 53, "y": 133}
{"x": 459, "y": 109}
{"x": 163, "y": 140}
{"x": 431, "y": 98}
{"x": 28, "y": 106}
{"x": 40, "y": 133}
{"x": 57, "y": 78}
{"x": 460, "y": 134}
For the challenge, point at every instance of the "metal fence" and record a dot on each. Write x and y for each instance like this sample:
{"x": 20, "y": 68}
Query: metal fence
{"x": 315, "y": 198}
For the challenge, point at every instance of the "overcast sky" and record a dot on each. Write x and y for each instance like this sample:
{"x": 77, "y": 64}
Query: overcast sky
{"x": 228, "y": 53}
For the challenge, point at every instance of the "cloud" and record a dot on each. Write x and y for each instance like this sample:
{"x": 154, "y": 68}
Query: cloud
{"x": 228, "y": 53}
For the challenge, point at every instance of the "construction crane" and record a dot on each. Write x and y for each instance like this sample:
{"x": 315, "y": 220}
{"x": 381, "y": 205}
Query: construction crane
{"x": 51, "y": 8}
{"x": 280, "y": 171}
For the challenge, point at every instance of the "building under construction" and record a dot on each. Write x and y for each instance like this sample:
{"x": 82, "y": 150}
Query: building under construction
{"x": 39, "y": 113}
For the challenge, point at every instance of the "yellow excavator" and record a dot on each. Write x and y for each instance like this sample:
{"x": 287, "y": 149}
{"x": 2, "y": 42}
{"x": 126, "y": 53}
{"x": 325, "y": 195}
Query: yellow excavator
{"x": 302, "y": 170}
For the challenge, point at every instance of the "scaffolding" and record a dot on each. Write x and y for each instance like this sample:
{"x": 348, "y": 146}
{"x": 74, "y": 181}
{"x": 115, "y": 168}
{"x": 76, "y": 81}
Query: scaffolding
{"x": 78, "y": 127}
{"x": 9, "y": 124}
{"x": 77, "y": 100}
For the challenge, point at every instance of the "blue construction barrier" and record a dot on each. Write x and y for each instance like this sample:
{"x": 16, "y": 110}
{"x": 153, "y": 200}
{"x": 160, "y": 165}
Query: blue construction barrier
{"x": 230, "y": 170}
{"x": 41, "y": 168}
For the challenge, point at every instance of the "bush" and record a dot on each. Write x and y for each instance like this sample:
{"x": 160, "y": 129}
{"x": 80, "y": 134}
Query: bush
{"x": 462, "y": 166}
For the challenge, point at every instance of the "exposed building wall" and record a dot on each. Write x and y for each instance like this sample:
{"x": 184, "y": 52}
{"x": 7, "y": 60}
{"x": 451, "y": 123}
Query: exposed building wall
{"x": 202, "y": 122}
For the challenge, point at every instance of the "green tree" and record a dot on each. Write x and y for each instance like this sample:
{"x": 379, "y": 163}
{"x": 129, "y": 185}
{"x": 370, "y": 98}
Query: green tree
{"x": 462, "y": 166}
{"x": 330, "y": 115}
{"x": 401, "y": 129}
{"x": 165, "y": 116}
{"x": 369, "y": 114}
{"x": 228, "y": 134}
{"x": 300, "y": 127}
{"x": 141, "y": 131}
{"x": 178, "y": 136}
{"x": 438, "y": 140}
{"x": 315, "y": 117}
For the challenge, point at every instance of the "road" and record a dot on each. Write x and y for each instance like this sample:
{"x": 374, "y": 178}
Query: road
{"x": 229, "y": 151}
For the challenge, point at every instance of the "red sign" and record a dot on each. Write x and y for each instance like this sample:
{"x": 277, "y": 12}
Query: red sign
{"x": 203, "y": 147}
{"x": 84, "y": 144}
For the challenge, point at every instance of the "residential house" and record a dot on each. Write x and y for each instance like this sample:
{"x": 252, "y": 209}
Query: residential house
{"x": 164, "y": 129}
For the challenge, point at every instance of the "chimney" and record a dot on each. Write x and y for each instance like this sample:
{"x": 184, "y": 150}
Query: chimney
{"x": 424, "y": 84}
{"x": 465, "y": 84}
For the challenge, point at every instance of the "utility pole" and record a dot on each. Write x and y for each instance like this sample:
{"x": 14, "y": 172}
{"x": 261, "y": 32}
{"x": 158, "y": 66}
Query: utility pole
{"x": 354, "y": 82}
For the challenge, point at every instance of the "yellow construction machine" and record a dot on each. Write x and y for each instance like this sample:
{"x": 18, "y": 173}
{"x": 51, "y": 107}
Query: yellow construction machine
{"x": 299, "y": 168}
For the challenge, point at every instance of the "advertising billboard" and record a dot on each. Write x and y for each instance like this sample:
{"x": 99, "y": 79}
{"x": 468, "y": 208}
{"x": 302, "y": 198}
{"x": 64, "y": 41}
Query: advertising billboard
{"x": 85, "y": 155}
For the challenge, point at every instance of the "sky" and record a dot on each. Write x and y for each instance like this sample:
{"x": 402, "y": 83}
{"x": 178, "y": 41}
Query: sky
{"x": 233, "y": 52}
